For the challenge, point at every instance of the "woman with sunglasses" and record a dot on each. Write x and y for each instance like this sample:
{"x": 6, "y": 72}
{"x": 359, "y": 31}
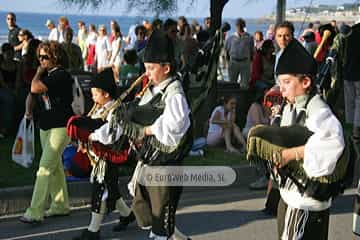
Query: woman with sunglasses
{"x": 25, "y": 36}
{"x": 51, "y": 90}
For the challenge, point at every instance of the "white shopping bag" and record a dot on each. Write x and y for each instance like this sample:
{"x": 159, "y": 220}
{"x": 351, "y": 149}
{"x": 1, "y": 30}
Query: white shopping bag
{"x": 23, "y": 150}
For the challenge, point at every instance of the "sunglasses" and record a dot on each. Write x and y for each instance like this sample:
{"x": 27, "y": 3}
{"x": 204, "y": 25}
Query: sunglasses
{"x": 43, "y": 57}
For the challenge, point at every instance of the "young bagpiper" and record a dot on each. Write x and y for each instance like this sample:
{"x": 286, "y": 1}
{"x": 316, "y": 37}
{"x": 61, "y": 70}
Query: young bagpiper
{"x": 302, "y": 216}
{"x": 306, "y": 154}
{"x": 104, "y": 176}
{"x": 160, "y": 119}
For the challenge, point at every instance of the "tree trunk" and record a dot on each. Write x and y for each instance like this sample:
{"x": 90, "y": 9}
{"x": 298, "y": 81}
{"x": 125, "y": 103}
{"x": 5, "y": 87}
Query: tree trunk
{"x": 216, "y": 9}
{"x": 280, "y": 11}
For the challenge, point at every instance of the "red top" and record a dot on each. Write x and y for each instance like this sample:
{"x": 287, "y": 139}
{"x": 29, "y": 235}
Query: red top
{"x": 256, "y": 69}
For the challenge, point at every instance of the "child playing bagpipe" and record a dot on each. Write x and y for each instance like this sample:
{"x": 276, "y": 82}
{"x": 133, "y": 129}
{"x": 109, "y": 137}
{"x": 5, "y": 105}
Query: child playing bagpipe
{"x": 307, "y": 151}
{"x": 160, "y": 119}
{"x": 104, "y": 176}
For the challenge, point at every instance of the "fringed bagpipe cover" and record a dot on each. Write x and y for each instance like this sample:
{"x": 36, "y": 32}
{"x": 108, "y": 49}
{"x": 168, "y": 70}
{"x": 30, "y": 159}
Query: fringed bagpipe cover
{"x": 133, "y": 117}
{"x": 263, "y": 141}
{"x": 80, "y": 127}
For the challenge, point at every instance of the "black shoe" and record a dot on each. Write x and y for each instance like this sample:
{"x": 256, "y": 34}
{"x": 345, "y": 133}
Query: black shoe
{"x": 27, "y": 220}
{"x": 124, "y": 222}
{"x": 88, "y": 235}
{"x": 269, "y": 212}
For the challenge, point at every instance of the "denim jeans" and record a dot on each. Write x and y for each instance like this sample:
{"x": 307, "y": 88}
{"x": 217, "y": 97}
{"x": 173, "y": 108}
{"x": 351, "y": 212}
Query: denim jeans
{"x": 198, "y": 144}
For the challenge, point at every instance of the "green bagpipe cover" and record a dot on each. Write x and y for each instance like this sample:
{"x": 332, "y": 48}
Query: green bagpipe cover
{"x": 263, "y": 141}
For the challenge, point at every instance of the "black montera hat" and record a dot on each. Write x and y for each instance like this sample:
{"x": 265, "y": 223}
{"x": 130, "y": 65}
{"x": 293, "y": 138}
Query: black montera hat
{"x": 296, "y": 60}
{"x": 159, "y": 49}
{"x": 105, "y": 81}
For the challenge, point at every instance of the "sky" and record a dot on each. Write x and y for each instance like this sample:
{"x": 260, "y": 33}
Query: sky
{"x": 233, "y": 9}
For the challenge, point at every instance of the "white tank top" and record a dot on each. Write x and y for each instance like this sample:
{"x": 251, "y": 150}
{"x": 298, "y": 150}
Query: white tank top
{"x": 216, "y": 128}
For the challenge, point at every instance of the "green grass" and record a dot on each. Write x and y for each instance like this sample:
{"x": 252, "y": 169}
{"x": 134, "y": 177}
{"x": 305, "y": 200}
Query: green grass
{"x": 13, "y": 175}
{"x": 216, "y": 157}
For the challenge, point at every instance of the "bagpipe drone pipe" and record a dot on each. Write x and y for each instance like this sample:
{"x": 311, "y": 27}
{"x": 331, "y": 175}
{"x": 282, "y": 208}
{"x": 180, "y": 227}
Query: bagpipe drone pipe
{"x": 80, "y": 127}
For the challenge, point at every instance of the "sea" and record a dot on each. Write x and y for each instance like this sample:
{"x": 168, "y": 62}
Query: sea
{"x": 35, "y": 22}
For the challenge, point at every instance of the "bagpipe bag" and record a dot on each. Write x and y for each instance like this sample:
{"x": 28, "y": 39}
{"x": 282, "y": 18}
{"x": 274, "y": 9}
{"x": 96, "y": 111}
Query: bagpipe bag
{"x": 80, "y": 127}
{"x": 133, "y": 118}
{"x": 263, "y": 141}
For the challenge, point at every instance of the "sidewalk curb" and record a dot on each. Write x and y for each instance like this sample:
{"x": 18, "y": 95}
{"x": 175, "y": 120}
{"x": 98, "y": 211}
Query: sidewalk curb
{"x": 16, "y": 199}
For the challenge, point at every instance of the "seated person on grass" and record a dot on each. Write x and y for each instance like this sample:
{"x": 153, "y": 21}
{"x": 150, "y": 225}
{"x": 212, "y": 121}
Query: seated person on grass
{"x": 222, "y": 126}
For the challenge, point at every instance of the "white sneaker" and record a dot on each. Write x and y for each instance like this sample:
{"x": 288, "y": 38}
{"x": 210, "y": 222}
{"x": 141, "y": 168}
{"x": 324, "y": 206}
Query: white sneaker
{"x": 196, "y": 153}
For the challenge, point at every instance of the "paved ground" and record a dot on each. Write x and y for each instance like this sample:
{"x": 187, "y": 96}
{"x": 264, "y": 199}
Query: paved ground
{"x": 229, "y": 213}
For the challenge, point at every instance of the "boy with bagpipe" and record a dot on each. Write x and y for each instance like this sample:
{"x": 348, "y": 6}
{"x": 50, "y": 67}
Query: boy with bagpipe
{"x": 104, "y": 159}
{"x": 306, "y": 155}
{"x": 158, "y": 123}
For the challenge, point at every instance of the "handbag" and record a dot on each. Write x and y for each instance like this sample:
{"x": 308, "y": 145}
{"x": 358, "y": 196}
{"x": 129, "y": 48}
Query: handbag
{"x": 23, "y": 150}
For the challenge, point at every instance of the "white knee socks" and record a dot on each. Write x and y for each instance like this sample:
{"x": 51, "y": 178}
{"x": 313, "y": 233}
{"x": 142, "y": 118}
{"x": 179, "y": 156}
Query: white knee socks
{"x": 96, "y": 218}
{"x": 122, "y": 207}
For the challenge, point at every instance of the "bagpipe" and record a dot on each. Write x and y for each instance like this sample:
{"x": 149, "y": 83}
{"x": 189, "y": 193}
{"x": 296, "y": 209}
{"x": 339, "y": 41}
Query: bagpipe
{"x": 265, "y": 144}
{"x": 133, "y": 117}
{"x": 80, "y": 127}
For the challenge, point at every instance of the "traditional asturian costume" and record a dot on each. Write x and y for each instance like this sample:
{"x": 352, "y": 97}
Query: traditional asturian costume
{"x": 306, "y": 185}
{"x": 165, "y": 110}
{"x": 105, "y": 159}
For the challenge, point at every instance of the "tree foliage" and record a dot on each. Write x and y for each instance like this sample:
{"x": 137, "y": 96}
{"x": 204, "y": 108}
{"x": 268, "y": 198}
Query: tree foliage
{"x": 146, "y": 7}
{"x": 155, "y": 7}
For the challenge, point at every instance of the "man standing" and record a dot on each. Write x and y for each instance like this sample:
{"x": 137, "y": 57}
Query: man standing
{"x": 171, "y": 30}
{"x": 240, "y": 50}
{"x": 284, "y": 33}
{"x": 346, "y": 45}
{"x": 13, "y": 34}
{"x": 63, "y": 25}
{"x": 54, "y": 34}
{"x": 73, "y": 52}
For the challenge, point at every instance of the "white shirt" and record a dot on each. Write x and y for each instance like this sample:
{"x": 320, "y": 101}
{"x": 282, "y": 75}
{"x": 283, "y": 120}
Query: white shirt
{"x": 61, "y": 38}
{"x": 102, "y": 134}
{"x": 216, "y": 128}
{"x": 172, "y": 125}
{"x": 102, "y": 49}
{"x": 53, "y": 35}
{"x": 116, "y": 47}
{"x": 91, "y": 39}
{"x": 168, "y": 128}
{"x": 322, "y": 150}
